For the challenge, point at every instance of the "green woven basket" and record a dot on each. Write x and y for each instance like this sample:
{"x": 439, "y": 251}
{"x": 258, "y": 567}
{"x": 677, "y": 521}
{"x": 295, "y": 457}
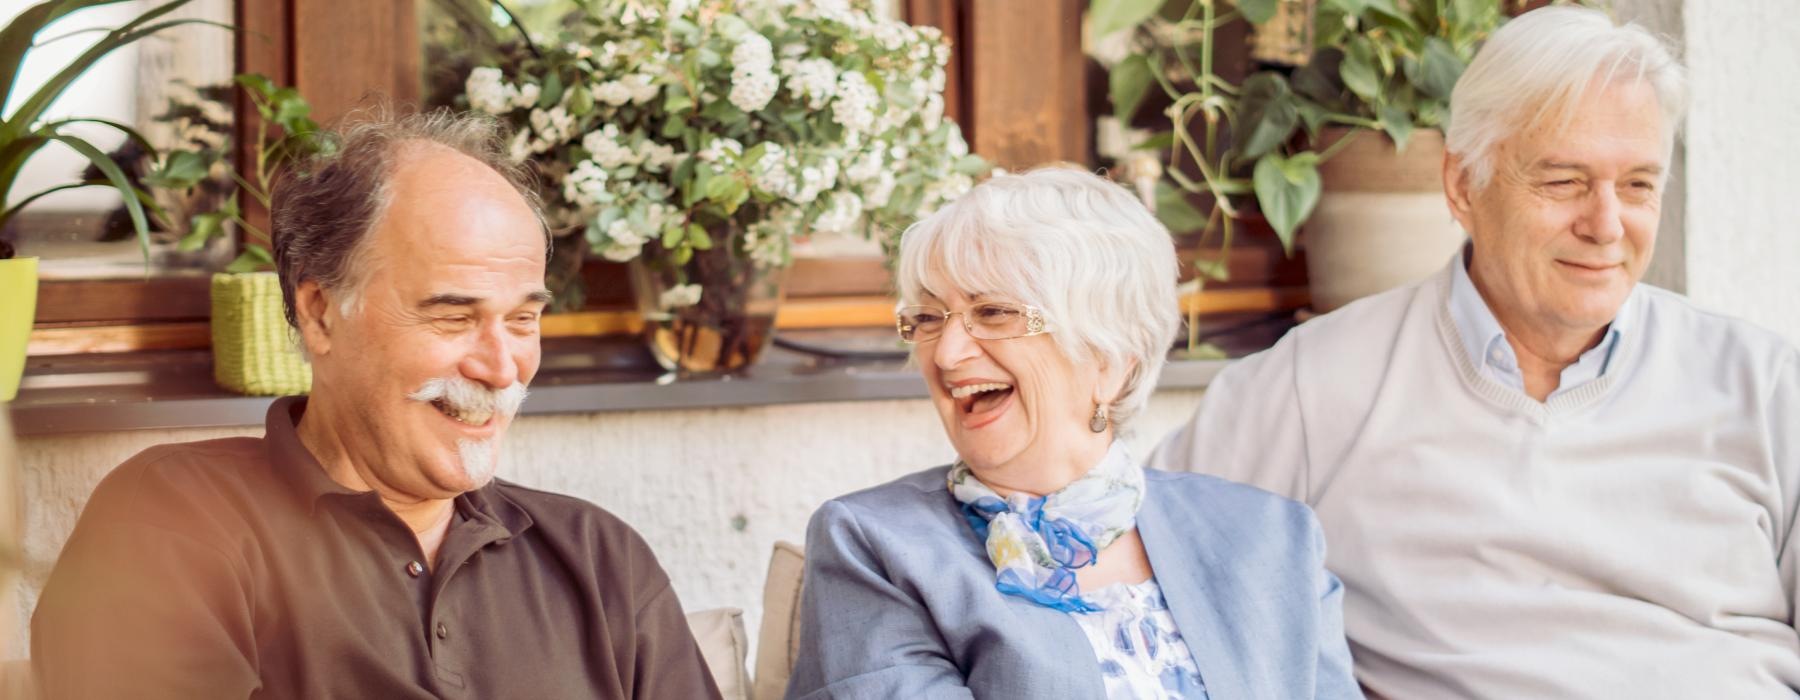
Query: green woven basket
{"x": 252, "y": 350}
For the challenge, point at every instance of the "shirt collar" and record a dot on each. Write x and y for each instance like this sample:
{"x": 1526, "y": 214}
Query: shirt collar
{"x": 1481, "y": 333}
{"x": 308, "y": 484}
{"x": 1485, "y": 341}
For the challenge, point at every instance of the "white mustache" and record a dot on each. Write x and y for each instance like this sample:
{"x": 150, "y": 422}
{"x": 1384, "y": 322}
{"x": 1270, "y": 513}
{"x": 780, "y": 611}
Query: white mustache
{"x": 471, "y": 397}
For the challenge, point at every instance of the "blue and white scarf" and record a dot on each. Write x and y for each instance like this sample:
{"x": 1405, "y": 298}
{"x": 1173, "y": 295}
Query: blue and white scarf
{"x": 1037, "y": 542}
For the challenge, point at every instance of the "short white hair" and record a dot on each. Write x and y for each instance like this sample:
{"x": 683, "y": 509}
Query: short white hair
{"x": 1537, "y": 68}
{"x": 1080, "y": 247}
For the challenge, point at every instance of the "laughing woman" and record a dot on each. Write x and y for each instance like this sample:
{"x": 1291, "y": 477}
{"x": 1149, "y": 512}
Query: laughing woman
{"x": 1046, "y": 562}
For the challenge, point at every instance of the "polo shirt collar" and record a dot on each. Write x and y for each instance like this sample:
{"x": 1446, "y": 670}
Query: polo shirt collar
{"x": 306, "y": 481}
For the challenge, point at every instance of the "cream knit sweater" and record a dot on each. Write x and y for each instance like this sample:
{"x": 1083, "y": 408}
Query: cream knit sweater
{"x": 1630, "y": 538}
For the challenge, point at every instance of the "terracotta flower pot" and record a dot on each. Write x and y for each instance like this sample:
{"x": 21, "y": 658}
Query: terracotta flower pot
{"x": 1381, "y": 221}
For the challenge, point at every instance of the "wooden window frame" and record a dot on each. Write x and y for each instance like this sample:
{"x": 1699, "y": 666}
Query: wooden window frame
{"x": 1017, "y": 109}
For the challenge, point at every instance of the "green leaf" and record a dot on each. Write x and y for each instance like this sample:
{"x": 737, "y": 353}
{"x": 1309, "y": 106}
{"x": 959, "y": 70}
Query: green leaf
{"x": 1286, "y": 190}
{"x": 1127, "y": 84}
{"x": 201, "y": 228}
{"x": 1397, "y": 124}
{"x": 1175, "y": 211}
{"x": 1348, "y": 7}
{"x": 1159, "y": 141}
{"x": 1312, "y": 116}
{"x": 1108, "y": 16}
{"x": 673, "y": 235}
{"x": 256, "y": 83}
{"x": 1439, "y": 68}
{"x": 243, "y": 263}
{"x": 179, "y": 171}
{"x": 682, "y": 255}
{"x": 677, "y": 101}
{"x": 1257, "y": 11}
{"x": 1359, "y": 71}
{"x": 696, "y": 235}
{"x": 138, "y": 28}
{"x": 1318, "y": 80}
{"x": 552, "y": 90}
{"x": 1267, "y": 113}
{"x": 119, "y": 181}
{"x": 972, "y": 165}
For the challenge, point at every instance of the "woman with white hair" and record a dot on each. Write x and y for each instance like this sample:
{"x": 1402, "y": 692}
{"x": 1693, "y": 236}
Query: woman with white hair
{"x": 1046, "y": 562}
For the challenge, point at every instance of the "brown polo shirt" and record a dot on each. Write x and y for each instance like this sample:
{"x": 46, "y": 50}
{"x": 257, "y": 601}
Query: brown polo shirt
{"x": 236, "y": 568}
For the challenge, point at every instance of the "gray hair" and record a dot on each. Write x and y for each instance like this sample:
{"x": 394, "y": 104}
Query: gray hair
{"x": 324, "y": 206}
{"x": 1080, "y": 247}
{"x": 1537, "y": 68}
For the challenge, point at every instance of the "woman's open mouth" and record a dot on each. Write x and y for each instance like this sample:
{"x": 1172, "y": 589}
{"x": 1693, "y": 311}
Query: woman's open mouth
{"x": 981, "y": 404}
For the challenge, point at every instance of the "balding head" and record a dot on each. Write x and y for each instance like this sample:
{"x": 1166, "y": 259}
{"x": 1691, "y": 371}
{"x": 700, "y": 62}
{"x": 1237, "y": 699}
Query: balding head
{"x": 325, "y": 207}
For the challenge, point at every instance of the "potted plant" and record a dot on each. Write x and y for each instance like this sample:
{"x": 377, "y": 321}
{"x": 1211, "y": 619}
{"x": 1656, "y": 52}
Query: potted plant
{"x": 18, "y": 306}
{"x": 23, "y": 130}
{"x": 253, "y": 351}
{"x": 696, "y": 140}
{"x": 1348, "y": 143}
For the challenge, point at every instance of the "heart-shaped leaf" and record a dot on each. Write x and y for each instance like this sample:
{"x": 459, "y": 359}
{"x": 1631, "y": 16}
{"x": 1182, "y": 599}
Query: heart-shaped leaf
{"x": 1108, "y": 16}
{"x": 1127, "y": 84}
{"x": 1287, "y": 189}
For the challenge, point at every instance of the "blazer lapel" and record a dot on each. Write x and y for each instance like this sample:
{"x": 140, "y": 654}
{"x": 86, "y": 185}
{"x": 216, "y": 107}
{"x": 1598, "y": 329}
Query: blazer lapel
{"x": 1183, "y": 548}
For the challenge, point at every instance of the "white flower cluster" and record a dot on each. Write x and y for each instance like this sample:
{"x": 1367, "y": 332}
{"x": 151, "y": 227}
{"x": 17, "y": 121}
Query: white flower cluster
{"x": 679, "y": 296}
{"x": 585, "y": 186}
{"x": 842, "y": 213}
{"x": 753, "y": 81}
{"x": 838, "y": 122}
{"x": 814, "y": 80}
{"x": 766, "y": 241}
{"x": 489, "y": 92}
{"x": 636, "y": 88}
{"x": 553, "y": 126}
{"x": 604, "y": 147}
{"x": 856, "y": 102}
{"x": 721, "y": 150}
{"x": 625, "y": 236}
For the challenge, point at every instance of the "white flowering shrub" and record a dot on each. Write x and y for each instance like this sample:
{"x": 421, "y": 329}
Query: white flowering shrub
{"x": 661, "y": 127}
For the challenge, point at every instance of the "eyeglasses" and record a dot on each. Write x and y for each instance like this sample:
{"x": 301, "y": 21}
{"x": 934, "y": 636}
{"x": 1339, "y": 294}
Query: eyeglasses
{"x": 987, "y": 321}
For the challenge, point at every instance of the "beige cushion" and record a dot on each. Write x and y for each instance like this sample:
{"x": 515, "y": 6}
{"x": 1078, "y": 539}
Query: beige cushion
{"x": 720, "y": 633}
{"x": 778, "y": 643}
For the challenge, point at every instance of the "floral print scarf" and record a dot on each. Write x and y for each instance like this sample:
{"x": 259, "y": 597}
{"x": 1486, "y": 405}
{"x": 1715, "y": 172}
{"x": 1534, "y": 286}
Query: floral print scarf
{"x": 1037, "y": 542}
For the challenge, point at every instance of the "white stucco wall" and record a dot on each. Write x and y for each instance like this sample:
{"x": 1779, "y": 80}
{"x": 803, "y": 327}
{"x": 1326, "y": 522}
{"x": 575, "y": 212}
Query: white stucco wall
{"x": 1743, "y": 159}
{"x": 712, "y": 490}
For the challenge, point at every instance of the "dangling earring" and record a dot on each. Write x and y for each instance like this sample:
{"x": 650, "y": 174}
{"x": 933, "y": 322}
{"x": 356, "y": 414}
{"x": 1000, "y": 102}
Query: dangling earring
{"x": 1099, "y": 422}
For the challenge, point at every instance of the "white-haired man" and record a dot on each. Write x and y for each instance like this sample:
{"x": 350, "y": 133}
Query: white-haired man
{"x": 1539, "y": 478}
{"x": 361, "y": 548}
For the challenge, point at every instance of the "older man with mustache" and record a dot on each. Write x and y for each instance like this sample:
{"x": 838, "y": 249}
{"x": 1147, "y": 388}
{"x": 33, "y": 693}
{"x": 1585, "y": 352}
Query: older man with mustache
{"x": 1540, "y": 478}
{"x": 362, "y": 548}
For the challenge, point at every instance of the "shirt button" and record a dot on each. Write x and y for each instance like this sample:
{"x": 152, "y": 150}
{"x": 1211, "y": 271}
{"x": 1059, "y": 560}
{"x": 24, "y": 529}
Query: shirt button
{"x": 414, "y": 569}
{"x": 443, "y": 631}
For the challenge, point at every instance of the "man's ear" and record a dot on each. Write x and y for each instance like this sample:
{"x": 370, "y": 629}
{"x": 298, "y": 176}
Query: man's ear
{"x": 313, "y": 311}
{"x": 1458, "y": 191}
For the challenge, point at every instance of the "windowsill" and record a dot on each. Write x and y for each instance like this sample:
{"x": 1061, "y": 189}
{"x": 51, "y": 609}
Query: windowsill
{"x": 174, "y": 388}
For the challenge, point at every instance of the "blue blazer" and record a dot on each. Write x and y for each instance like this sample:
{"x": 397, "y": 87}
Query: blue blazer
{"x": 899, "y": 599}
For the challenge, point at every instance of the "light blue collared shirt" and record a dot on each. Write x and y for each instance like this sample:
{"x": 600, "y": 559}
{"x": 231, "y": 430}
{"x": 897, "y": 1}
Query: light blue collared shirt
{"x": 1485, "y": 340}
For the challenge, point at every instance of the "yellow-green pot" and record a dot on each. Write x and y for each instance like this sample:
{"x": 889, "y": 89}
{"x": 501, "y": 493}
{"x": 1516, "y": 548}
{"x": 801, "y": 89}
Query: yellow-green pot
{"x": 18, "y": 308}
{"x": 253, "y": 350}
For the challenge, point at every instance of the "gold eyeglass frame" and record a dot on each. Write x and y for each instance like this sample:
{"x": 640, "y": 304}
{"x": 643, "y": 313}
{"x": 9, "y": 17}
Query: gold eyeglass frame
{"x": 1034, "y": 321}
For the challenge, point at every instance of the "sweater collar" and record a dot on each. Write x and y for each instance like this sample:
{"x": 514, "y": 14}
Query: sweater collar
{"x": 1484, "y": 341}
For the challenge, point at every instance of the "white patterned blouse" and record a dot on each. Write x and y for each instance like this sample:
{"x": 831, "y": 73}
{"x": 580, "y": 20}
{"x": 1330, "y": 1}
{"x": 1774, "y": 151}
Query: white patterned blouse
{"x": 1141, "y": 653}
